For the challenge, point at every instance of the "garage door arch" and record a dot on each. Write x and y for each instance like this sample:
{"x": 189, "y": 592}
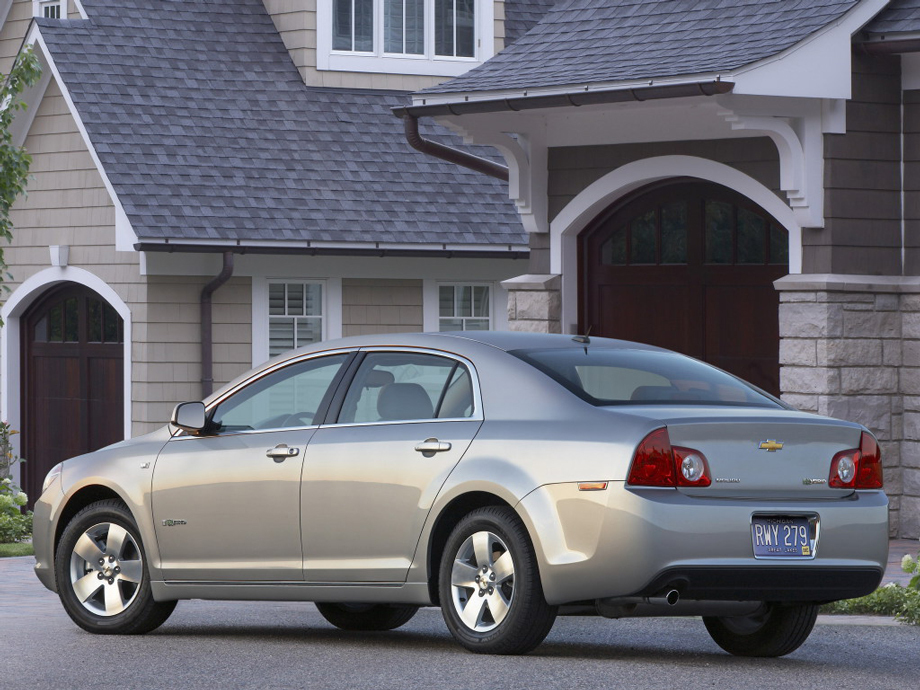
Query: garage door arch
{"x": 688, "y": 265}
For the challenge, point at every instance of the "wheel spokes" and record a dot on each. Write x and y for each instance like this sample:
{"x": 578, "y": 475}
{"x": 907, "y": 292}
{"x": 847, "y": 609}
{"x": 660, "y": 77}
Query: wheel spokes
{"x": 115, "y": 542}
{"x": 88, "y": 550}
{"x": 114, "y": 601}
{"x": 131, "y": 571}
{"x": 472, "y": 612}
{"x": 482, "y": 548}
{"x": 87, "y": 586}
{"x": 498, "y": 607}
{"x": 463, "y": 575}
{"x": 504, "y": 568}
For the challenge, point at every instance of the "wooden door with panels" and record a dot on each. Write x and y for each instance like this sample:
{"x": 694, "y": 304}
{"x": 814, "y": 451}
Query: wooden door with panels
{"x": 689, "y": 266}
{"x": 72, "y": 379}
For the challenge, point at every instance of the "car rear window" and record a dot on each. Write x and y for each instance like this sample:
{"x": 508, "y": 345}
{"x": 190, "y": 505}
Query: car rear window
{"x": 604, "y": 376}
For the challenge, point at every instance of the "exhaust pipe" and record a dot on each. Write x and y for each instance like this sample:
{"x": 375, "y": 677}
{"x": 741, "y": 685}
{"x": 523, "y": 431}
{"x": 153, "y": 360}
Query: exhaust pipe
{"x": 670, "y": 598}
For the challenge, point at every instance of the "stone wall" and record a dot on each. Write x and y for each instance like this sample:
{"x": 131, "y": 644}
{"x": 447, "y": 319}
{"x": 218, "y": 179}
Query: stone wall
{"x": 850, "y": 348}
{"x": 534, "y": 303}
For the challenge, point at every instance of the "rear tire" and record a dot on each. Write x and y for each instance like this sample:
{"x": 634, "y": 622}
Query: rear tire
{"x": 366, "y": 617}
{"x": 776, "y": 631}
{"x": 101, "y": 572}
{"x": 489, "y": 585}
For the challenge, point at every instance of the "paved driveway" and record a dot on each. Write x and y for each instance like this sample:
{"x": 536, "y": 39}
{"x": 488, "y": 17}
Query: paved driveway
{"x": 288, "y": 645}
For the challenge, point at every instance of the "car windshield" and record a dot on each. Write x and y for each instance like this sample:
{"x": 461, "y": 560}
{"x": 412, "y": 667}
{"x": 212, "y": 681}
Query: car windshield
{"x": 604, "y": 376}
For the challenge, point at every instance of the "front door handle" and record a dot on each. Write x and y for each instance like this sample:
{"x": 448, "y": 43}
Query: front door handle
{"x": 430, "y": 446}
{"x": 282, "y": 452}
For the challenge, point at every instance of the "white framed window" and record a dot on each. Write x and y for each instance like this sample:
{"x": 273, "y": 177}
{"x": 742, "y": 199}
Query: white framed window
{"x": 464, "y": 307}
{"x": 425, "y": 37}
{"x": 292, "y": 312}
{"x": 50, "y": 9}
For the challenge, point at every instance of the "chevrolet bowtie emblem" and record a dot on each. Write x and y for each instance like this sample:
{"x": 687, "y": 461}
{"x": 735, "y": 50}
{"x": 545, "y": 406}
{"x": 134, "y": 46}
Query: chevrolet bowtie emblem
{"x": 771, "y": 446}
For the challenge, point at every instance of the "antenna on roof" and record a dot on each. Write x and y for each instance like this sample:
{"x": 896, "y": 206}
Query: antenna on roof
{"x": 584, "y": 339}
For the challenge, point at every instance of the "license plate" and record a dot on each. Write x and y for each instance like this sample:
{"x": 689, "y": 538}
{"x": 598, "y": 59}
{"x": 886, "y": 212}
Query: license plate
{"x": 783, "y": 536}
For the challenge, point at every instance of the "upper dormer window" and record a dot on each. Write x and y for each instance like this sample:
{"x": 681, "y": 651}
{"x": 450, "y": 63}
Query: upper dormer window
{"x": 50, "y": 9}
{"x": 437, "y": 37}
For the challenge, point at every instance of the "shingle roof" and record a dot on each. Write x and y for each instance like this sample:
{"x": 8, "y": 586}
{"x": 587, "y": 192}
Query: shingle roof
{"x": 522, "y": 15}
{"x": 207, "y": 132}
{"x": 901, "y": 16}
{"x": 585, "y": 41}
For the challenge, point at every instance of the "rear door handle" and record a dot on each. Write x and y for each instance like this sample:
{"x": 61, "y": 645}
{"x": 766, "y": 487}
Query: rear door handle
{"x": 430, "y": 446}
{"x": 282, "y": 452}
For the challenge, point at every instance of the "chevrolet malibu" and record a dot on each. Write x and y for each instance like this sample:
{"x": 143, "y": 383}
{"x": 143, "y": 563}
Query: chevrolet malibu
{"x": 506, "y": 477}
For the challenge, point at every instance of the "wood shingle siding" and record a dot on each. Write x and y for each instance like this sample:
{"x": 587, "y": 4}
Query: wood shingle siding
{"x": 862, "y": 197}
{"x": 12, "y": 32}
{"x": 381, "y": 306}
{"x": 912, "y": 182}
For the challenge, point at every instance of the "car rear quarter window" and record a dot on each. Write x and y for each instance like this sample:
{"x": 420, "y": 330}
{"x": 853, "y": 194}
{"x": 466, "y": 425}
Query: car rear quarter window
{"x": 608, "y": 376}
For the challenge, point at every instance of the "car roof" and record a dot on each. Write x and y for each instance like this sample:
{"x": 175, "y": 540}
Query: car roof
{"x": 516, "y": 340}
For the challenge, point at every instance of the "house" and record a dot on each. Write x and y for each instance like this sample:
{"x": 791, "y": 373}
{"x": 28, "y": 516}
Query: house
{"x": 735, "y": 179}
{"x": 217, "y": 181}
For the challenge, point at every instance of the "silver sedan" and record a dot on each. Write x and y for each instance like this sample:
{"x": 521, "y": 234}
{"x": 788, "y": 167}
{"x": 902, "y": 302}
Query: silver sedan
{"x": 505, "y": 477}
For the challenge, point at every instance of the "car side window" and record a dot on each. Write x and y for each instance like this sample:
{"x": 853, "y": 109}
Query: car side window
{"x": 289, "y": 397}
{"x": 399, "y": 386}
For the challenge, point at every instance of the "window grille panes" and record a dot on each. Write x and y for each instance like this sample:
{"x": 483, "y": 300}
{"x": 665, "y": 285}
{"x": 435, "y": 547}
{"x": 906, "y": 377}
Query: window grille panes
{"x": 454, "y": 26}
{"x": 404, "y": 26}
{"x": 674, "y": 233}
{"x": 752, "y": 237}
{"x": 779, "y": 245}
{"x": 643, "y": 247}
{"x": 71, "y": 320}
{"x": 613, "y": 251}
{"x": 719, "y": 223}
{"x": 295, "y": 315}
{"x": 51, "y": 10}
{"x": 353, "y": 25}
{"x": 464, "y": 308}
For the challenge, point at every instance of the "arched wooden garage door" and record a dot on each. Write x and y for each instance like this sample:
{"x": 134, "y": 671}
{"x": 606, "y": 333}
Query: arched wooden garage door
{"x": 72, "y": 379}
{"x": 688, "y": 266}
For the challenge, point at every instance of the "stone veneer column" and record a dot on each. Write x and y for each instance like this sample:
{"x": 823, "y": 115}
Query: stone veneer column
{"x": 535, "y": 303}
{"x": 850, "y": 348}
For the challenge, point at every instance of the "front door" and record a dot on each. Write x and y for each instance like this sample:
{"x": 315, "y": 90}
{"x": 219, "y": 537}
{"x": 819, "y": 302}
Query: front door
{"x": 73, "y": 379}
{"x": 370, "y": 479}
{"x": 688, "y": 266}
{"x": 226, "y": 505}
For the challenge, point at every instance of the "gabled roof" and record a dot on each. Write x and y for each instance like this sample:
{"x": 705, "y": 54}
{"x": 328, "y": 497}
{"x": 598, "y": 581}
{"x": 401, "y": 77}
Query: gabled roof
{"x": 901, "y": 16}
{"x": 585, "y": 41}
{"x": 208, "y": 134}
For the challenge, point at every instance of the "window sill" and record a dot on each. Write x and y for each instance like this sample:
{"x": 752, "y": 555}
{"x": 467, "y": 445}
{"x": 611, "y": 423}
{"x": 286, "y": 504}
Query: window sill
{"x": 420, "y": 66}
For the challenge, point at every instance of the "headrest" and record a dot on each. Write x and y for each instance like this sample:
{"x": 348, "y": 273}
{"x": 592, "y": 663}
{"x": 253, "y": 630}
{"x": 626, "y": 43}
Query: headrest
{"x": 378, "y": 378}
{"x": 404, "y": 401}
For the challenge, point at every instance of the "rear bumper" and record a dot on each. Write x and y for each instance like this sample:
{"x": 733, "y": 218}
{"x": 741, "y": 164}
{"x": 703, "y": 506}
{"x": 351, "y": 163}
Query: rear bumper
{"x": 760, "y": 583}
{"x": 638, "y": 542}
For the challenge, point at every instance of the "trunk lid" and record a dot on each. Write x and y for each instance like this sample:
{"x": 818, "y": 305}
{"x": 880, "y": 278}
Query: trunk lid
{"x": 757, "y": 452}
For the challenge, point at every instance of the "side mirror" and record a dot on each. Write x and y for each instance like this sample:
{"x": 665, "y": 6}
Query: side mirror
{"x": 189, "y": 416}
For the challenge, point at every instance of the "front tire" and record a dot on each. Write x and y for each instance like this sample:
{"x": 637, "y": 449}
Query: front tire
{"x": 490, "y": 590}
{"x": 366, "y": 617}
{"x": 775, "y": 631}
{"x": 102, "y": 576}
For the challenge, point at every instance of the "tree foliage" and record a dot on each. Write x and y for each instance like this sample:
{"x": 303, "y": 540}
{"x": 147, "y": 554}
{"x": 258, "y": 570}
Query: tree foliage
{"x": 14, "y": 160}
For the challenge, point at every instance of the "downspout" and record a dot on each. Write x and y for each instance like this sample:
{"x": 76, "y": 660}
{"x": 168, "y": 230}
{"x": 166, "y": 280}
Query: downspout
{"x": 207, "y": 339}
{"x": 451, "y": 155}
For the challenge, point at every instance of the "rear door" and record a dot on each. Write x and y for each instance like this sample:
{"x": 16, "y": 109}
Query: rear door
{"x": 371, "y": 477}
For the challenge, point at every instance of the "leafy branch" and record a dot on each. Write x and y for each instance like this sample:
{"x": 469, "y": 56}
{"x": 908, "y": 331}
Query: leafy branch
{"x": 14, "y": 160}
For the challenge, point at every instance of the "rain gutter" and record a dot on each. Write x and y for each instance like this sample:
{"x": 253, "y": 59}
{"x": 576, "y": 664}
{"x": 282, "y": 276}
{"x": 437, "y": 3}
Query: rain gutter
{"x": 411, "y": 113}
{"x": 207, "y": 338}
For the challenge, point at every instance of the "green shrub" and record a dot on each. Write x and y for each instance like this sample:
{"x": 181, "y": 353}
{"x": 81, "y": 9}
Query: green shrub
{"x": 14, "y": 524}
{"x": 891, "y": 600}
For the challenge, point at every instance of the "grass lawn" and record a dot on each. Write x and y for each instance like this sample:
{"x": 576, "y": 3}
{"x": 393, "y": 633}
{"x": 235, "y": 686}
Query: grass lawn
{"x": 7, "y": 550}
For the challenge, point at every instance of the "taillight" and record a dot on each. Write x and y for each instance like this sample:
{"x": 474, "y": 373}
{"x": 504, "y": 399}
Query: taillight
{"x": 858, "y": 468}
{"x": 657, "y": 463}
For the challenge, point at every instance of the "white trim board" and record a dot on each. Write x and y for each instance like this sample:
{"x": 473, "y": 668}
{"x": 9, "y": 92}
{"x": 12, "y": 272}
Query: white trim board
{"x": 10, "y": 345}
